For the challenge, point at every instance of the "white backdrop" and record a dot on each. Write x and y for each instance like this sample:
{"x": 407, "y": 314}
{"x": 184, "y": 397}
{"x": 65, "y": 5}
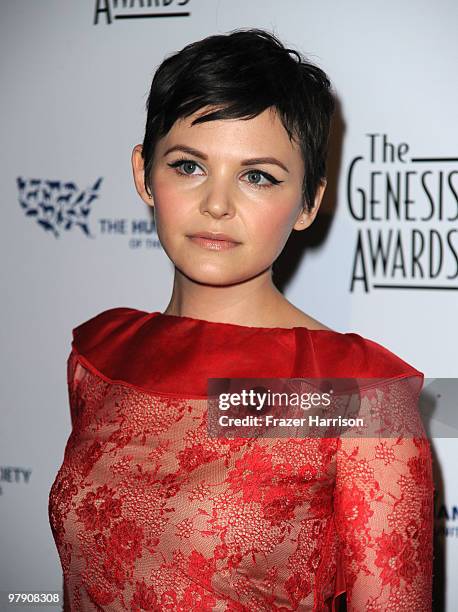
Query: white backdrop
{"x": 75, "y": 77}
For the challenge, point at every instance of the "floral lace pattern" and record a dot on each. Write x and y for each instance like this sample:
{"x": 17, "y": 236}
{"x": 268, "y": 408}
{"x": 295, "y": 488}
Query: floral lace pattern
{"x": 150, "y": 513}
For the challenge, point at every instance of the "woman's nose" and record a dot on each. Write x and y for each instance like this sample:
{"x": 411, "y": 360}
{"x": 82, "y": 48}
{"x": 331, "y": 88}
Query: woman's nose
{"x": 218, "y": 200}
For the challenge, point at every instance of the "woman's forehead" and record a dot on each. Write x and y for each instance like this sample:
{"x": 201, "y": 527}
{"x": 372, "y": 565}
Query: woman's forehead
{"x": 265, "y": 132}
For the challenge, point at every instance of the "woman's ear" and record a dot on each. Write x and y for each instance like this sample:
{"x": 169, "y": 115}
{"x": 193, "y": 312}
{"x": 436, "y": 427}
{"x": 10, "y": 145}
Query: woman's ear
{"x": 138, "y": 169}
{"x": 306, "y": 217}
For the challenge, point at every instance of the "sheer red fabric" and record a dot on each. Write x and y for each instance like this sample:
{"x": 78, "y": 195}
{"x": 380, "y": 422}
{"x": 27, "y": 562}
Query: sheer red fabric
{"x": 150, "y": 513}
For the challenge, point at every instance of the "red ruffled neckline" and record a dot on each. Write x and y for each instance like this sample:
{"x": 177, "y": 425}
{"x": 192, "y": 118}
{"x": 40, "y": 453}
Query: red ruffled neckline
{"x": 175, "y": 355}
{"x": 157, "y": 313}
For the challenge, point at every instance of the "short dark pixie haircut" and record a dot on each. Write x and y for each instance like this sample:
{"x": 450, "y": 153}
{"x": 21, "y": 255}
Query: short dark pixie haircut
{"x": 240, "y": 74}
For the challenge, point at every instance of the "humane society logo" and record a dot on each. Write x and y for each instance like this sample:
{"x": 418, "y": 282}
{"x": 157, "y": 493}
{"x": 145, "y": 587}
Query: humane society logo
{"x": 13, "y": 475}
{"x": 446, "y": 520}
{"x": 406, "y": 211}
{"x": 59, "y": 206}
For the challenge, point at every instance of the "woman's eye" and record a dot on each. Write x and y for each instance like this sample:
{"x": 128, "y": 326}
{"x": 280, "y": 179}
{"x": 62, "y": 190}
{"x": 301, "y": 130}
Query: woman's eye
{"x": 261, "y": 179}
{"x": 186, "y": 165}
{"x": 256, "y": 178}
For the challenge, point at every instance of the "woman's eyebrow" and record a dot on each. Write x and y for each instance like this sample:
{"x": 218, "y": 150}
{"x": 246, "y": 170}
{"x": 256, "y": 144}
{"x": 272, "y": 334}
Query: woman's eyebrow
{"x": 245, "y": 162}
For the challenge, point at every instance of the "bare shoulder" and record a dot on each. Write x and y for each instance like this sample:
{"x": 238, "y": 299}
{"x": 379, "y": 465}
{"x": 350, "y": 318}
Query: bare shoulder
{"x": 311, "y": 323}
{"x": 294, "y": 317}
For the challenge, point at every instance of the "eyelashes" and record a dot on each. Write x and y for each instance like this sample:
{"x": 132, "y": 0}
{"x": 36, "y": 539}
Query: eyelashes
{"x": 272, "y": 180}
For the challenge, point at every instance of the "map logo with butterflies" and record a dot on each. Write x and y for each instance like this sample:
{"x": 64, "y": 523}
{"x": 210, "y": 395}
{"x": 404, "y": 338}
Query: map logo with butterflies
{"x": 57, "y": 206}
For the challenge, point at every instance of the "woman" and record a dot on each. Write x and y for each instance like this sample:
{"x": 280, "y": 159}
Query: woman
{"x": 150, "y": 512}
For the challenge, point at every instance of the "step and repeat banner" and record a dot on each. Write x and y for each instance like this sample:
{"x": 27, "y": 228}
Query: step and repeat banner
{"x": 381, "y": 259}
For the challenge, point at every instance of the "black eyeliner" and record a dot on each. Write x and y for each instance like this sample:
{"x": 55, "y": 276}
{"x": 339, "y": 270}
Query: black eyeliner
{"x": 266, "y": 175}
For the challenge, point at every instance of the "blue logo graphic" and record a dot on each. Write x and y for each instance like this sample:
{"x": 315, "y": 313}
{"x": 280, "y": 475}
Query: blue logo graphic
{"x": 57, "y": 206}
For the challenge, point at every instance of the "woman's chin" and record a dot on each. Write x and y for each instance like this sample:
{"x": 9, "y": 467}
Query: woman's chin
{"x": 215, "y": 276}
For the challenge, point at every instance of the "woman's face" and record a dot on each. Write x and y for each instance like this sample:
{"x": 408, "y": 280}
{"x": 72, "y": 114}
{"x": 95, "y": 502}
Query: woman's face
{"x": 239, "y": 177}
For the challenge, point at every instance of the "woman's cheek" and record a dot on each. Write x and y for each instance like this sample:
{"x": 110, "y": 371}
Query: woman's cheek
{"x": 279, "y": 221}
{"x": 170, "y": 202}
{"x": 164, "y": 190}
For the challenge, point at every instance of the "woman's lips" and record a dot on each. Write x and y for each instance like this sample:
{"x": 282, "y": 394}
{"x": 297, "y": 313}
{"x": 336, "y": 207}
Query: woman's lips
{"x": 213, "y": 244}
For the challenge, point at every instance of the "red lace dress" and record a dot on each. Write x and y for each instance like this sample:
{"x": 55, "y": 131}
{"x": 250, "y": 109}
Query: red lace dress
{"x": 150, "y": 513}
